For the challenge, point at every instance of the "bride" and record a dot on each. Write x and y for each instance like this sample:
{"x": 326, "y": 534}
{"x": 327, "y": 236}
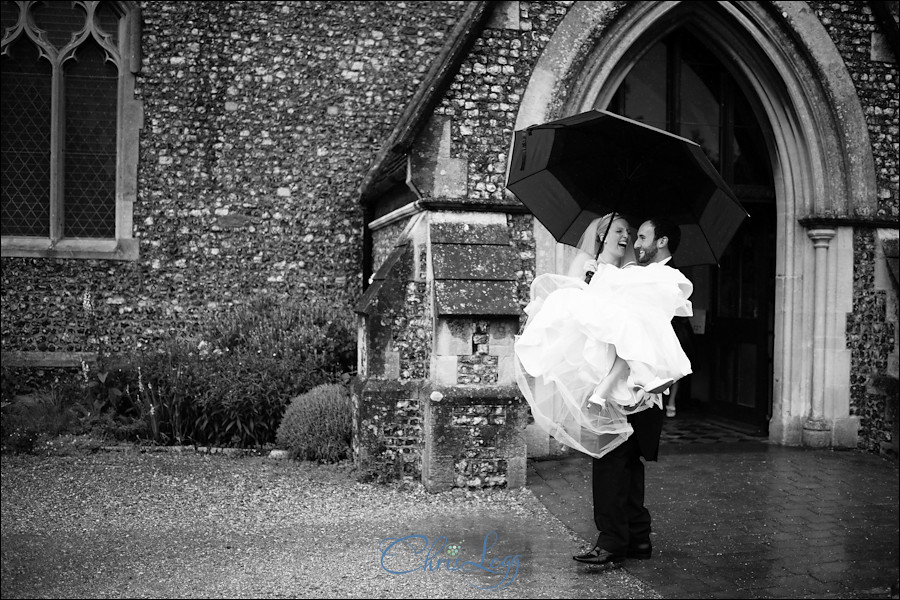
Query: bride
{"x": 593, "y": 353}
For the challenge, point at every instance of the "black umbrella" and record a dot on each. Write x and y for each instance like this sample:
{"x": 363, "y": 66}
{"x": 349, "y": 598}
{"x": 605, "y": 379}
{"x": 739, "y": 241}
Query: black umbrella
{"x": 571, "y": 171}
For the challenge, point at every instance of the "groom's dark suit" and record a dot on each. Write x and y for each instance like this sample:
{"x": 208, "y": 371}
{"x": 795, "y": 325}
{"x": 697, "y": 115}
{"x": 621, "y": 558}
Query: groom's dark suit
{"x": 618, "y": 482}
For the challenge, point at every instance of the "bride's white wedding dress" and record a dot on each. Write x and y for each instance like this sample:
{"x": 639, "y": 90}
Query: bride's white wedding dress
{"x": 570, "y": 342}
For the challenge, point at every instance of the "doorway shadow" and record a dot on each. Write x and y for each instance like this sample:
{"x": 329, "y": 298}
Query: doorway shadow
{"x": 696, "y": 425}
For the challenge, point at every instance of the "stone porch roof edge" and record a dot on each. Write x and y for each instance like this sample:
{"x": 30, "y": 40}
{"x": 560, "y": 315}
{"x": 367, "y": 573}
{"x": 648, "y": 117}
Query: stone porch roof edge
{"x": 389, "y": 166}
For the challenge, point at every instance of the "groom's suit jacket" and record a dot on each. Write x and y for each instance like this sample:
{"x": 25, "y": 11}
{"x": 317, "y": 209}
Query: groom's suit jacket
{"x": 647, "y": 426}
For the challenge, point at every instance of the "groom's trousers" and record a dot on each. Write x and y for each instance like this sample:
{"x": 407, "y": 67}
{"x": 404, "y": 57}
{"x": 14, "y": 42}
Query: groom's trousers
{"x": 618, "y": 485}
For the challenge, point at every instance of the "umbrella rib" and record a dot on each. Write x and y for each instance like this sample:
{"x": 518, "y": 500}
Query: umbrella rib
{"x": 709, "y": 244}
{"x": 705, "y": 236}
{"x": 568, "y": 223}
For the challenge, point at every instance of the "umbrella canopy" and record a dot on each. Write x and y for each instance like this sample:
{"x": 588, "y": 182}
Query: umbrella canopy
{"x": 571, "y": 171}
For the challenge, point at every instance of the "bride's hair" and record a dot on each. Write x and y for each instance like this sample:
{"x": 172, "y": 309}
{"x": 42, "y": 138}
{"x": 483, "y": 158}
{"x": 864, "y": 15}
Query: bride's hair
{"x": 589, "y": 242}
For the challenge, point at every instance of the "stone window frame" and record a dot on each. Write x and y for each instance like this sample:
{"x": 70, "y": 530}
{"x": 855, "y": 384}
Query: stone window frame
{"x": 126, "y": 56}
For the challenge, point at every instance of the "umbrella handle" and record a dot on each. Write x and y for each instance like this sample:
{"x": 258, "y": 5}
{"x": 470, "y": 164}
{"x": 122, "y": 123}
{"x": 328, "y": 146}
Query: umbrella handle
{"x": 606, "y": 234}
{"x": 588, "y": 275}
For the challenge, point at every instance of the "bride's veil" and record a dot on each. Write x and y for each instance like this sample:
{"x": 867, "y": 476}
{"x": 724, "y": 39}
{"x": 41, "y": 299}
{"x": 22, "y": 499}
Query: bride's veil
{"x": 588, "y": 242}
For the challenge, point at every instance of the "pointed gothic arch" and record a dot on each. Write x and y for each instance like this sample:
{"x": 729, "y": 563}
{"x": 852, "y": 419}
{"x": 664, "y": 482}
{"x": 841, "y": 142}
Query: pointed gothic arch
{"x": 821, "y": 157}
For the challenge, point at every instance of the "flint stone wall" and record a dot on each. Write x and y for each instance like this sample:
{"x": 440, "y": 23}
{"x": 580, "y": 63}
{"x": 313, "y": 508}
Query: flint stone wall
{"x": 260, "y": 120}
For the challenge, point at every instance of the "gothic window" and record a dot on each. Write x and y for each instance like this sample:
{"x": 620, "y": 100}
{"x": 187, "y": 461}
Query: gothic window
{"x": 681, "y": 86}
{"x": 70, "y": 122}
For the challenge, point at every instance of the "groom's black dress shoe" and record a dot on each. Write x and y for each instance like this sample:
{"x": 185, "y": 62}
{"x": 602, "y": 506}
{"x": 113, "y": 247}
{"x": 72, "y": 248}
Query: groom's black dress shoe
{"x": 599, "y": 556}
{"x": 641, "y": 551}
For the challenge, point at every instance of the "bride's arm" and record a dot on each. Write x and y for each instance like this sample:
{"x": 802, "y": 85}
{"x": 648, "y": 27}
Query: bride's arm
{"x": 576, "y": 267}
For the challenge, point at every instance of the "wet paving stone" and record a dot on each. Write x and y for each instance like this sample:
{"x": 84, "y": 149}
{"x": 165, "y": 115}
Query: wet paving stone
{"x": 747, "y": 519}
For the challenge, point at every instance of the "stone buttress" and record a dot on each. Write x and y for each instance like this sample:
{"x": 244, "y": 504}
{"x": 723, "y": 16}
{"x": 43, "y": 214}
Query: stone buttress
{"x": 436, "y": 398}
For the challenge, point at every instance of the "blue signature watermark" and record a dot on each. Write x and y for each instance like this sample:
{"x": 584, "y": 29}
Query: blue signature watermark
{"x": 412, "y": 553}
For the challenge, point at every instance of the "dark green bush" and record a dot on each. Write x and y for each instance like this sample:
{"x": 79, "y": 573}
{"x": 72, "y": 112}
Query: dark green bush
{"x": 259, "y": 357}
{"x": 163, "y": 389}
{"x": 22, "y": 381}
{"x": 75, "y": 403}
{"x": 317, "y": 424}
{"x": 51, "y": 411}
{"x": 243, "y": 403}
{"x": 230, "y": 387}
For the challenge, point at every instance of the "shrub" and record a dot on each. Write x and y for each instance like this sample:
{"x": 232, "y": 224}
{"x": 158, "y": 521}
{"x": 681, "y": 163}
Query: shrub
{"x": 317, "y": 424}
{"x": 229, "y": 387}
{"x": 259, "y": 356}
{"x": 50, "y": 411}
{"x": 9, "y": 384}
{"x": 22, "y": 381}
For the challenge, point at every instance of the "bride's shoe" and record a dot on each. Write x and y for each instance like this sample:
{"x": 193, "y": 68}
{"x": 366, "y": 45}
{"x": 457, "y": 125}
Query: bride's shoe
{"x": 657, "y": 386}
{"x": 596, "y": 399}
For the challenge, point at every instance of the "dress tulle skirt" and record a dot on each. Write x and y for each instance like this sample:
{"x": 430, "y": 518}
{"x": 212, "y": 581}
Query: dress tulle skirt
{"x": 570, "y": 342}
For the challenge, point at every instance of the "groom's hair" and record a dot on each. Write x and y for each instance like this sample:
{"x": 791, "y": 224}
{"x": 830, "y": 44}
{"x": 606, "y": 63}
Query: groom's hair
{"x": 663, "y": 227}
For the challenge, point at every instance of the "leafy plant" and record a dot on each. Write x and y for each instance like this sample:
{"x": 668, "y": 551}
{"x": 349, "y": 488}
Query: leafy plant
{"x": 260, "y": 356}
{"x": 229, "y": 387}
{"x": 50, "y": 411}
{"x": 169, "y": 383}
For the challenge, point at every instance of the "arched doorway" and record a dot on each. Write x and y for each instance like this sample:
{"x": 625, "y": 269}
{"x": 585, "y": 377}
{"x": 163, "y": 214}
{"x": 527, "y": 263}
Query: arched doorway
{"x": 681, "y": 85}
{"x": 817, "y": 141}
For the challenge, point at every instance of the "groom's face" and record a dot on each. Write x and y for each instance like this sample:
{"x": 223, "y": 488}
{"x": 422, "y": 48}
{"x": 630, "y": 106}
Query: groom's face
{"x": 645, "y": 246}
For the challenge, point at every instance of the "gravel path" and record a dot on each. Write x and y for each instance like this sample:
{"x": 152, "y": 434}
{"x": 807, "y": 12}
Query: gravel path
{"x": 163, "y": 525}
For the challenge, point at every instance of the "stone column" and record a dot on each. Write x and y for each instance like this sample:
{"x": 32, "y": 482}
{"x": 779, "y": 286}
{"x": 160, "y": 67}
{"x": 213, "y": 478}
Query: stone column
{"x": 816, "y": 430}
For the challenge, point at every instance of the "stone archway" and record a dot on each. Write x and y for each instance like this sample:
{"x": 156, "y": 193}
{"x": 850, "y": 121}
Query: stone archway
{"x": 821, "y": 159}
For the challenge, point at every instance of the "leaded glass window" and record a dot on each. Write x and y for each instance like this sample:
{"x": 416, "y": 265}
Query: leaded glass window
{"x": 64, "y": 66}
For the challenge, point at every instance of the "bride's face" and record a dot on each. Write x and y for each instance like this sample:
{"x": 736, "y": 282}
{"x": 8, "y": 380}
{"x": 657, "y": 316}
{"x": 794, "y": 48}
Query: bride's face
{"x": 618, "y": 240}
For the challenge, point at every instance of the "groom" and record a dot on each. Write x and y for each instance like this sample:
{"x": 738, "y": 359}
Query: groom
{"x": 618, "y": 477}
